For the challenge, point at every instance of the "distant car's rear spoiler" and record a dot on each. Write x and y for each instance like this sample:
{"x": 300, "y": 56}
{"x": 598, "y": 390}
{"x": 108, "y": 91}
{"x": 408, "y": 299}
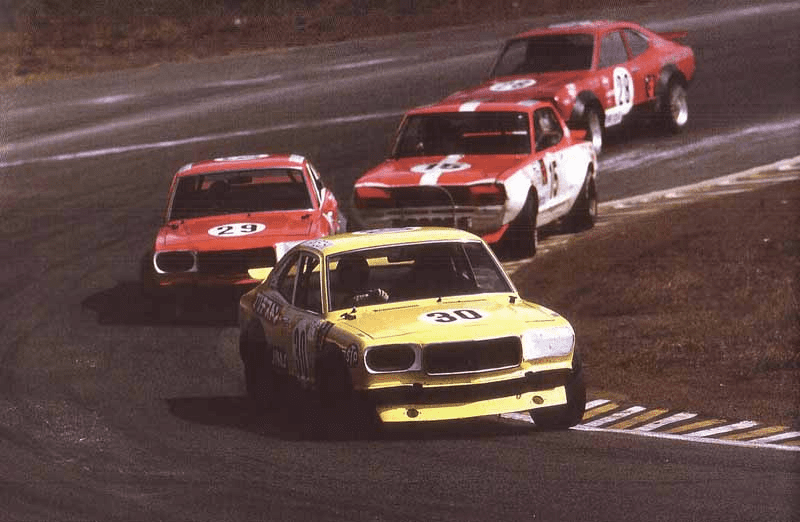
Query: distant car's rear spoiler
{"x": 675, "y": 36}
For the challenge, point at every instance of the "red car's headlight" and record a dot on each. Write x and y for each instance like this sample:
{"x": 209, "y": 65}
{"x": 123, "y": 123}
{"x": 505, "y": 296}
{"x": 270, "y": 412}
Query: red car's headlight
{"x": 372, "y": 197}
{"x": 484, "y": 195}
{"x": 180, "y": 261}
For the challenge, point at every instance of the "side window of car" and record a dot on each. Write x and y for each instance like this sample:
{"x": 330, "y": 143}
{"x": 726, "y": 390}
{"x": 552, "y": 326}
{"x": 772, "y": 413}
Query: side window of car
{"x": 548, "y": 130}
{"x": 286, "y": 278}
{"x": 637, "y": 42}
{"x": 308, "y": 294}
{"x": 612, "y": 51}
{"x": 315, "y": 176}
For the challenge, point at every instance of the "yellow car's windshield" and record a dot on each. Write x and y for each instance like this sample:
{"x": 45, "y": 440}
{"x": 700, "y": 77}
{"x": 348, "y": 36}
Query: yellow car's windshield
{"x": 414, "y": 271}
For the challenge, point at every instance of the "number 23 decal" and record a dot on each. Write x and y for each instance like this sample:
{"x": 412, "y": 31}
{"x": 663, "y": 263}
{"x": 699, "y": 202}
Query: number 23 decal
{"x": 236, "y": 229}
{"x": 452, "y": 316}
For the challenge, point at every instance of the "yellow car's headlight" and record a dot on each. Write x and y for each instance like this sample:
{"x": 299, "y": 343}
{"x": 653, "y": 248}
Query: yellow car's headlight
{"x": 547, "y": 342}
{"x": 392, "y": 358}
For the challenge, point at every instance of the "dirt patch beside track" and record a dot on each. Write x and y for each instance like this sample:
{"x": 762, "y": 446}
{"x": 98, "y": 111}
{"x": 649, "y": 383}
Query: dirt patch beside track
{"x": 695, "y": 307}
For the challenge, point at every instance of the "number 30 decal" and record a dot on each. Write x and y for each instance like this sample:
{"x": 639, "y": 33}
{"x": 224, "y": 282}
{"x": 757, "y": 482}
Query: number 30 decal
{"x": 451, "y": 316}
{"x": 236, "y": 229}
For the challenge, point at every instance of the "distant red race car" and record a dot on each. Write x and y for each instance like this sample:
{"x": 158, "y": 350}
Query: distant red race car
{"x": 228, "y": 215}
{"x": 596, "y": 73}
{"x": 498, "y": 170}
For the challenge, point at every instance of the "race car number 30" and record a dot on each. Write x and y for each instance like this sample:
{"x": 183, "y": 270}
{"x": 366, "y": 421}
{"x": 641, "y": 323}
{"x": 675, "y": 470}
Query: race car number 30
{"x": 452, "y": 316}
{"x": 236, "y": 229}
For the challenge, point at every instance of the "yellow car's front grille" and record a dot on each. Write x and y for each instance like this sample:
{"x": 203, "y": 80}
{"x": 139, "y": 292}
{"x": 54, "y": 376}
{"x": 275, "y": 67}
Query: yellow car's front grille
{"x": 419, "y": 394}
{"x": 472, "y": 356}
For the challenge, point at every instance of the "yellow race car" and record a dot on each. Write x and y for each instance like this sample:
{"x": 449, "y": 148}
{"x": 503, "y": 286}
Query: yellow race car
{"x": 405, "y": 325}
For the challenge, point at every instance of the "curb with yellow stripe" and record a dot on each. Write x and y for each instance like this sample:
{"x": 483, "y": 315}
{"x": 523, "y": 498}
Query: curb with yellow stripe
{"x": 607, "y": 415}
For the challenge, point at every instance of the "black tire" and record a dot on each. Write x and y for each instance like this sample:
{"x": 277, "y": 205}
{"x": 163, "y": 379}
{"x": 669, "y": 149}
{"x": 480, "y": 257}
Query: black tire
{"x": 259, "y": 376}
{"x": 593, "y": 122}
{"x": 568, "y": 415}
{"x": 583, "y": 214}
{"x": 341, "y": 413}
{"x": 675, "y": 107}
{"x": 522, "y": 235}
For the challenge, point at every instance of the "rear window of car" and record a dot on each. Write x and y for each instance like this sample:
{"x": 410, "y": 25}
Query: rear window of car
{"x": 234, "y": 192}
{"x": 612, "y": 51}
{"x": 546, "y": 53}
{"x": 637, "y": 42}
{"x": 441, "y": 134}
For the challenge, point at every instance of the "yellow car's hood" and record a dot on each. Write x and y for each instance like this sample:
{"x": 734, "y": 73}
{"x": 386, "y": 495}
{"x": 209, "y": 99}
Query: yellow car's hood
{"x": 451, "y": 319}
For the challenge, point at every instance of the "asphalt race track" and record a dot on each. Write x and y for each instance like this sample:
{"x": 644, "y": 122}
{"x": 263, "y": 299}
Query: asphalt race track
{"x": 108, "y": 414}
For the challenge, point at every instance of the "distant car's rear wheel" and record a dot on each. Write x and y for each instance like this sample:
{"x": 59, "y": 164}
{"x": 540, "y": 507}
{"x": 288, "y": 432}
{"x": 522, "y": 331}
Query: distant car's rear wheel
{"x": 258, "y": 373}
{"x": 584, "y": 212}
{"x": 594, "y": 128}
{"x": 570, "y": 414}
{"x": 675, "y": 107}
{"x": 522, "y": 235}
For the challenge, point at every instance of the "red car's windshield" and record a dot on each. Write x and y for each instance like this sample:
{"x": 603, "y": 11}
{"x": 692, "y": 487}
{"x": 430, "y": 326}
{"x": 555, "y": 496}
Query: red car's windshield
{"x": 546, "y": 53}
{"x": 235, "y": 192}
{"x": 446, "y": 133}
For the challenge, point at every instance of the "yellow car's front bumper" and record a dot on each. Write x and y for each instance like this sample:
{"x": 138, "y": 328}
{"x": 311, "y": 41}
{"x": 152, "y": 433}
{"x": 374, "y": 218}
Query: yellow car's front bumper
{"x": 418, "y": 403}
{"x": 436, "y": 412}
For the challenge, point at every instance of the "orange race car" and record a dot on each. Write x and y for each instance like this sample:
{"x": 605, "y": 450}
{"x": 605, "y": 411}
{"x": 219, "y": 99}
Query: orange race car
{"x": 228, "y": 215}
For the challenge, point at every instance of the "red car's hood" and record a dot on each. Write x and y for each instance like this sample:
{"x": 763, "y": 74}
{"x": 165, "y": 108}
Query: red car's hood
{"x": 442, "y": 170}
{"x": 519, "y": 88}
{"x": 235, "y": 231}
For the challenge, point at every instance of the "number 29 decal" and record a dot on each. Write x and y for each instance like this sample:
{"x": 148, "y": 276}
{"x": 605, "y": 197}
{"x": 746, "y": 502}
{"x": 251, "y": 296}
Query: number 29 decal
{"x": 236, "y": 229}
{"x": 452, "y": 316}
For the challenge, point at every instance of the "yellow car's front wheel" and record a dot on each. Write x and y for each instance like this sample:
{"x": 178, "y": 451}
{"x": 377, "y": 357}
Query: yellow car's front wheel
{"x": 568, "y": 415}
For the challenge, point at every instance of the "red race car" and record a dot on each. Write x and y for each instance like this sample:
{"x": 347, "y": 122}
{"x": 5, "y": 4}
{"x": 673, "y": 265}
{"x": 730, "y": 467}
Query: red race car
{"x": 498, "y": 170}
{"x": 228, "y": 215}
{"x": 596, "y": 73}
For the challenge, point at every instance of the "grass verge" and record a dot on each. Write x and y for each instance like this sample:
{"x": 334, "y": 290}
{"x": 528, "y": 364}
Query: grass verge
{"x": 692, "y": 308}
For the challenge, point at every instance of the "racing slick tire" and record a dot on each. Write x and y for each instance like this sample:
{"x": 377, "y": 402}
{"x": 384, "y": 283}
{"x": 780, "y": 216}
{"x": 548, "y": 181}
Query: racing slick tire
{"x": 583, "y": 214}
{"x": 339, "y": 412}
{"x": 522, "y": 235}
{"x": 570, "y": 414}
{"x": 593, "y": 122}
{"x": 259, "y": 376}
{"x": 675, "y": 106}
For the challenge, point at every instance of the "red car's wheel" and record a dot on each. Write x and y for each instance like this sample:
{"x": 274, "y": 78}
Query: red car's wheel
{"x": 676, "y": 107}
{"x": 594, "y": 129}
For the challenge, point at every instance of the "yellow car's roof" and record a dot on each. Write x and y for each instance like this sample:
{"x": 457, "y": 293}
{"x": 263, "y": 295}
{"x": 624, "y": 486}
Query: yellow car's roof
{"x": 330, "y": 245}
